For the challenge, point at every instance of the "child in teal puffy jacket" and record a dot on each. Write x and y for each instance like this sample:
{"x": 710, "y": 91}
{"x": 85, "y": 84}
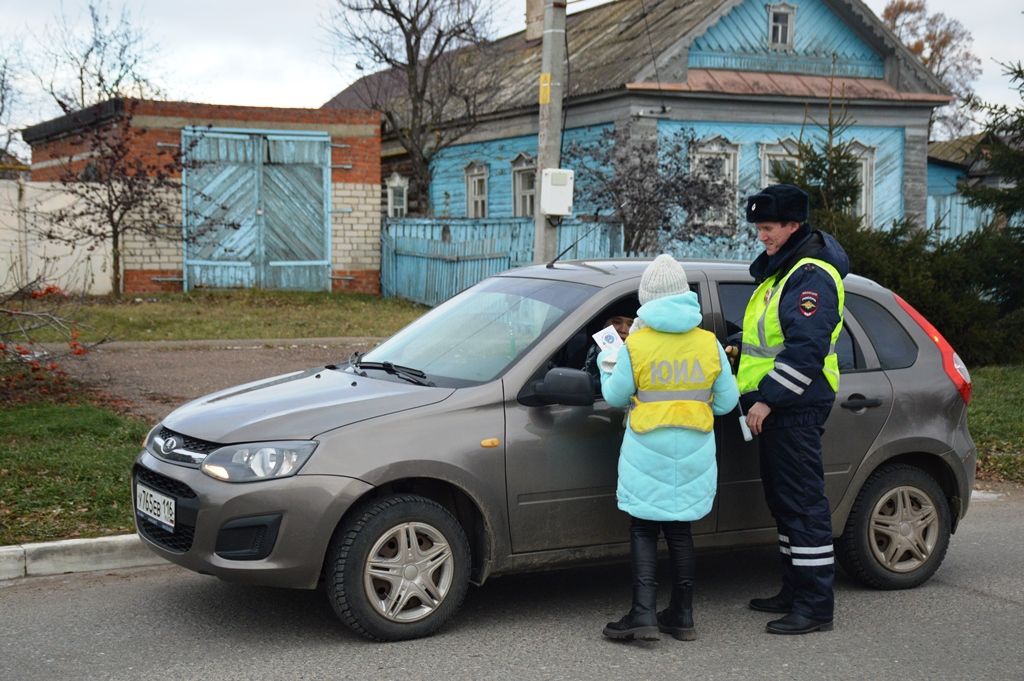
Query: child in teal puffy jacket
{"x": 667, "y": 470}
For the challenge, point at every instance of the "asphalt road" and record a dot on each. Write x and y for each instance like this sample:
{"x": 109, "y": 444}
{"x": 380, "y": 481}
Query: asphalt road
{"x": 167, "y": 623}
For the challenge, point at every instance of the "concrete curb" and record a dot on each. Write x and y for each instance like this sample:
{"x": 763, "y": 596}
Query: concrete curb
{"x": 75, "y": 555}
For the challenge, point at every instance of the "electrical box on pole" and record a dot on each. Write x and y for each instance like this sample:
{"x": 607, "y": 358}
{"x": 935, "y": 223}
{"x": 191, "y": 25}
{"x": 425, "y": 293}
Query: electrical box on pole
{"x": 556, "y": 186}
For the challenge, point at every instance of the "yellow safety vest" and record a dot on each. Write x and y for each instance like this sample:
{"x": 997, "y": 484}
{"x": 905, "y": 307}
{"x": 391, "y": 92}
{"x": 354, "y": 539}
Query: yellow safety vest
{"x": 762, "y": 331}
{"x": 673, "y": 373}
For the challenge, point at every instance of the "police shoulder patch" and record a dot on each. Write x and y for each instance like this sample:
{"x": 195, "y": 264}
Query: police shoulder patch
{"x": 808, "y": 303}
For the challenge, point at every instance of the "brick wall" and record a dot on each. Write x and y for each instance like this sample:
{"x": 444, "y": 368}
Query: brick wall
{"x": 355, "y": 237}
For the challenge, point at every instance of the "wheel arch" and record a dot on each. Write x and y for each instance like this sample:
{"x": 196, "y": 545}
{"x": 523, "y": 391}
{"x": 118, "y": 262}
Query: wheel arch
{"x": 456, "y": 500}
{"x": 940, "y": 465}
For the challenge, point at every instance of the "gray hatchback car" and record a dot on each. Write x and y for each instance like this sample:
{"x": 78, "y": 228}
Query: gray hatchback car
{"x": 473, "y": 443}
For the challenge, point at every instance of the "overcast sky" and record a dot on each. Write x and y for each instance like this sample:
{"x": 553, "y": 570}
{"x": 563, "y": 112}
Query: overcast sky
{"x": 278, "y": 53}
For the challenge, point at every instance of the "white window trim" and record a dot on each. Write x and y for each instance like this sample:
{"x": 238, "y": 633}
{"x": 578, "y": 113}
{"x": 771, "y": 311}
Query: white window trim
{"x": 395, "y": 181}
{"x": 784, "y": 150}
{"x": 475, "y": 171}
{"x": 523, "y": 164}
{"x": 782, "y": 8}
{"x": 720, "y": 147}
{"x": 865, "y": 207}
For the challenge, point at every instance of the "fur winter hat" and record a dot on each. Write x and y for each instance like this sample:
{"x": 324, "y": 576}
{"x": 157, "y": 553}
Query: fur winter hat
{"x": 778, "y": 203}
{"x": 663, "y": 277}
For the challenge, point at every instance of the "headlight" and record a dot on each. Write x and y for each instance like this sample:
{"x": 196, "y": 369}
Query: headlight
{"x": 257, "y": 460}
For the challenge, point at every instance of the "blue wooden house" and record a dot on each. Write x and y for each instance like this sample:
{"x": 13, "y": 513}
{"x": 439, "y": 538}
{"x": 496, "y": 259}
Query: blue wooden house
{"x": 951, "y": 164}
{"x": 747, "y": 77}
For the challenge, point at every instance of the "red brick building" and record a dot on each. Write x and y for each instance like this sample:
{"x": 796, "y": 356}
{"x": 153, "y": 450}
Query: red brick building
{"x": 327, "y": 234}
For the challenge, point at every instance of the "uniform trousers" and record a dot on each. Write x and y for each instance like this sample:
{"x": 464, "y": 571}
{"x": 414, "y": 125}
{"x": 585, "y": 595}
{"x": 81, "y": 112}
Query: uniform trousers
{"x": 794, "y": 487}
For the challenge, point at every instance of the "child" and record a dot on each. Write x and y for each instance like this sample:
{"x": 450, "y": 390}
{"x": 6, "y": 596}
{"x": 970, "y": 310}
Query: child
{"x": 676, "y": 375}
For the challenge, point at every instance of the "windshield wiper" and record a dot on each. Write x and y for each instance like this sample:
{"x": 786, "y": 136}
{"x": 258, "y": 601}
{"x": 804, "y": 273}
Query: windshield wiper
{"x": 406, "y": 373}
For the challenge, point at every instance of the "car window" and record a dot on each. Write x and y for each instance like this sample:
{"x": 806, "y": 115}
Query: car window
{"x": 893, "y": 345}
{"x": 734, "y": 297}
{"x": 478, "y": 334}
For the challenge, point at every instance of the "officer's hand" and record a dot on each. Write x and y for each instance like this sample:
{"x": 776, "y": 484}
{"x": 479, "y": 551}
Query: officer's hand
{"x": 733, "y": 353}
{"x": 756, "y": 416}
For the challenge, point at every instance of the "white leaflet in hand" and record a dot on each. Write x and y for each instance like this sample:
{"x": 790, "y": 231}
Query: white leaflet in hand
{"x": 608, "y": 338}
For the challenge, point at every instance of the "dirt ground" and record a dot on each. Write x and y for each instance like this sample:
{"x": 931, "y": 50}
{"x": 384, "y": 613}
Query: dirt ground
{"x": 156, "y": 377}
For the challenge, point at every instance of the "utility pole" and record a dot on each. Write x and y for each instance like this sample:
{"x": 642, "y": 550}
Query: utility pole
{"x": 549, "y": 131}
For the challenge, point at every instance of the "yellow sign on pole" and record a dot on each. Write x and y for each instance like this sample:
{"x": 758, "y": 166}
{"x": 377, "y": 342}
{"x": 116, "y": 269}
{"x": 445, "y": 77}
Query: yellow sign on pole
{"x": 545, "y": 89}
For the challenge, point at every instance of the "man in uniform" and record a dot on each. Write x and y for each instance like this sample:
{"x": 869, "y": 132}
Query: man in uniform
{"x": 788, "y": 376}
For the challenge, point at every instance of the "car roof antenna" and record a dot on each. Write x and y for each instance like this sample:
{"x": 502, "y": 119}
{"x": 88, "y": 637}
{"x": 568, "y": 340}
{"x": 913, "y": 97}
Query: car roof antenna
{"x": 551, "y": 265}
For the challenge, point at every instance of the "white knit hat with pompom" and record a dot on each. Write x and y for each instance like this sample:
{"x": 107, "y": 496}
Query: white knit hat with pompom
{"x": 663, "y": 277}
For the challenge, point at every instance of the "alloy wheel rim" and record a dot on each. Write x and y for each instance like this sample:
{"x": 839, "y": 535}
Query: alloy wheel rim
{"x": 409, "y": 572}
{"x": 904, "y": 529}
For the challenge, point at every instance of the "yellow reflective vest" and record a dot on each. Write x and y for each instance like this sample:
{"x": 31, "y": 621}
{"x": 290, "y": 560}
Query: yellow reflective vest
{"x": 674, "y": 373}
{"x": 763, "y": 339}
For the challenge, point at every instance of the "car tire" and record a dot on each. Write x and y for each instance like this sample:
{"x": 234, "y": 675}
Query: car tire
{"x": 398, "y": 568}
{"x": 898, "y": 530}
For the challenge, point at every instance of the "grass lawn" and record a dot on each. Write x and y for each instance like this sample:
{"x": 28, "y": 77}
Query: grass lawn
{"x": 238, "y": 314}
{"x": 65, "y": 471}
{"x": 996, "y": 420}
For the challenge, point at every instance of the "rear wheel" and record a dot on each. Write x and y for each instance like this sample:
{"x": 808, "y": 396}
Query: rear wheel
{"x": 898, "y": 529}
{"x": 398, "y": 568}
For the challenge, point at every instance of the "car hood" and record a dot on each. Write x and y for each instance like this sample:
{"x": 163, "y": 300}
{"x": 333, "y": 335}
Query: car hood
{"x": 296, "y": 406}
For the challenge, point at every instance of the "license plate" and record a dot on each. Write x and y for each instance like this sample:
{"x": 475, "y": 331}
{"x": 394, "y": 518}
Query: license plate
{"x": 155, "y": 506}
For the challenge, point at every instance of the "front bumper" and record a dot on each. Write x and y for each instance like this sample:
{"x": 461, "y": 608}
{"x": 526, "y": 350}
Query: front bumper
{"x": 290, "y": 520}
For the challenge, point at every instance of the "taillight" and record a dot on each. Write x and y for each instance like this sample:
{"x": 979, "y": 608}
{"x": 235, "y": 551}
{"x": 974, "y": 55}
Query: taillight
{"x": 951, "y": 362}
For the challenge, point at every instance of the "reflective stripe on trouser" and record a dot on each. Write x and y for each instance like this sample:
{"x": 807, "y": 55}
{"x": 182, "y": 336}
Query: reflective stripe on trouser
{"x": 794, "y": 488}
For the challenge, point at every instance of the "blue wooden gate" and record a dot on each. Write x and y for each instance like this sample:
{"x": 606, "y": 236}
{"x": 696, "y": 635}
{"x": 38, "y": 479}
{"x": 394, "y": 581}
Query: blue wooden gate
{"x": 256, "y": 209}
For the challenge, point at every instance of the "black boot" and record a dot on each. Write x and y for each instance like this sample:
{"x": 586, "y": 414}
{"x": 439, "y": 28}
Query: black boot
{"x": 677, "y": 618}
{"x": 781, "y": 602}
{"x": 640, "y": 622}
{"x": 795, "y": 623}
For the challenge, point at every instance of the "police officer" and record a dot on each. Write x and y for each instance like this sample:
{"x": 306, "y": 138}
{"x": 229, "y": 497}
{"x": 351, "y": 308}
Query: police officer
{"x": 788, "y": 376}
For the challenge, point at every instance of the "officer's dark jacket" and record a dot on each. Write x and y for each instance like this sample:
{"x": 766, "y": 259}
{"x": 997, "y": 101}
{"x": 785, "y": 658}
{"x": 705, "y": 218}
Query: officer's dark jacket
{"x": 808, "y": 329}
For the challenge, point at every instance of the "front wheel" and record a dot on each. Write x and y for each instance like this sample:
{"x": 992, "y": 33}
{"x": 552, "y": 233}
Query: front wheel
{"x": 898, "y": 529}
{"x": 398, "y": 568}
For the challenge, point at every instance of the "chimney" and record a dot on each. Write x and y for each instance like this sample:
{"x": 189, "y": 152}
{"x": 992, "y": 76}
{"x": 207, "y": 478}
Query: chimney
{"x": 534, "y": 19}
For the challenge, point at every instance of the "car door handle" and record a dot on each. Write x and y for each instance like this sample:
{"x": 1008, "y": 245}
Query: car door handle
{"x": 857, "y": 402}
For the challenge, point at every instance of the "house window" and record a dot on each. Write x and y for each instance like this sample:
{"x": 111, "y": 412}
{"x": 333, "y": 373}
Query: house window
{"x": 865, "y": 206}
{"x": 774, "y": 154}
{"x": 781, "y": 21}
{"x": 718, "y": 158}
{"x": 476, "y": 190}
{"x": 524, "y": 185}
{"x": 398, "y": 196}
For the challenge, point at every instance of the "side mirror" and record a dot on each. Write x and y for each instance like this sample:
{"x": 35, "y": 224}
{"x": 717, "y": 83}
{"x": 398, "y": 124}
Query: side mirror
{"x": 570, "y": 387}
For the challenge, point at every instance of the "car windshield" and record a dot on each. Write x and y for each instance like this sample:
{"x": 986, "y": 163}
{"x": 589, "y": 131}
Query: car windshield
{"x": 474, "y": 337}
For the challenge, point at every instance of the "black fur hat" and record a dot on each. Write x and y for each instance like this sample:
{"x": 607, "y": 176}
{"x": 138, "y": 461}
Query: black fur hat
{"x": 778, "y": 203}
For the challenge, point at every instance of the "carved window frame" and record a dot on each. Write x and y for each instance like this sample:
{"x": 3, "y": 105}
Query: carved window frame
{"x": 719, "y": 147}
{"x": 476, "y": 189}
{"x": 783, "y": 39}
{"x": 783, "y": 150}
{"x": 398, "y": 208}
{"x": 524, "y": 186}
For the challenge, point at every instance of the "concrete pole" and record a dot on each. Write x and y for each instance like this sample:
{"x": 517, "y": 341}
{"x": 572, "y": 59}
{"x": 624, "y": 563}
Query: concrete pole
{"x": 549, "y": 131}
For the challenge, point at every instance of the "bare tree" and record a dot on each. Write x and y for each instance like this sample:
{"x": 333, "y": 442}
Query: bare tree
{"x": 8, "y": 100}
{"x": 433, "y": 78}
{"x": 118, "y": 191}
{"x": 108, "y": 60}
{"x": 652, "y": 188}
{"x": 944, "y": 46}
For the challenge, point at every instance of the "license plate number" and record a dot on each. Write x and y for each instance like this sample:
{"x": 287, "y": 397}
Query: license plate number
{"x": 156, "y": 507}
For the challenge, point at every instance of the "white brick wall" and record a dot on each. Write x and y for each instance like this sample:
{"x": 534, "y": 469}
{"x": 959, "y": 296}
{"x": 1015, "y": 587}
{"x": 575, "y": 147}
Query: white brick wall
{"x": 355, "y": 226}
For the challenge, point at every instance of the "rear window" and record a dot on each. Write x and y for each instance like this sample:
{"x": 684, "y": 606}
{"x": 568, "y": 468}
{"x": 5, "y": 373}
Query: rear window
{"x": 894, "y": 346}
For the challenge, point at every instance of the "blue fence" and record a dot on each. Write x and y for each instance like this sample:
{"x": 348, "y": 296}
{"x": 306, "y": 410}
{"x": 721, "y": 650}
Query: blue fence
{"x": 428, "y": 260}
